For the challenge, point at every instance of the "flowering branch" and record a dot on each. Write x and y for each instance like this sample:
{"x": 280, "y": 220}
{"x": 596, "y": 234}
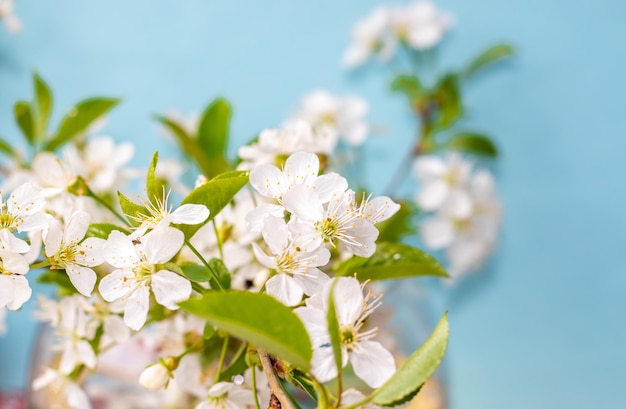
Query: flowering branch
{"x": 277, "y": 393}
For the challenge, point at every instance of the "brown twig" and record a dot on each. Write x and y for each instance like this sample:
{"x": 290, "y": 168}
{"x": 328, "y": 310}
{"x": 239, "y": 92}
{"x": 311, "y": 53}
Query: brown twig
{"x": 278, "y": 400}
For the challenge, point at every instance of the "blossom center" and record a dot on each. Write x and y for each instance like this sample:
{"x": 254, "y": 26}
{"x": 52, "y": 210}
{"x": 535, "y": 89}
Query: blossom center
{"x": 7, "y": 220}
{"x": 329, "y": 228}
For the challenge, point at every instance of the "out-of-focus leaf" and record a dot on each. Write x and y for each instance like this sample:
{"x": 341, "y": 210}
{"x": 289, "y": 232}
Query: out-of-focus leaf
{"x": 392, "y": 261}
{"x": 6, "y": 148}
{"x": 24, "y": 118}
{"x": 410, "y": 377}
{"x": 222, "y": 273}
{"x": 333, "y": 329}
{"x": 43, "y": 103}
{"x": 79, "y": 119}
{"x": 277, "y": 329}
{"x": 448, "y": 98}
{"x": 213, "y": 136}
{"x": 409, "y": 85}
{"x": 215, "y": 195}
{"x": 154, "y": 186}
{"x": 473, "y": 142}
{"x": 488, "y": 57}
{"x": 187, "y": 143}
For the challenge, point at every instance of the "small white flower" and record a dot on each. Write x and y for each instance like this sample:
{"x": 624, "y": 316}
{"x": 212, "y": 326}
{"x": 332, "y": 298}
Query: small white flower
{"x": 295, "y": 259}
{"x": 443, "y": 184}
{"x": 63, "y": 392}
{"x": 421, "y": 25}
{"x": 370, "y": 360}
{"x": 371, "y": 36}
{"x": 76, "y": 257}
{"x": 11, "y": 21}
{"x": 227, "y": 395}
{"x": 136, "y": 273}
{"x": 155, "y": 377}
{"x": 22, "y": 212}
{"x": 342, "y": 116}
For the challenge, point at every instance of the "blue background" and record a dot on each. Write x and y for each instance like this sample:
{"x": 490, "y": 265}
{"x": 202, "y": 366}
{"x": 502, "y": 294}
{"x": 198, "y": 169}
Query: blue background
{"x": 544, "y": 327}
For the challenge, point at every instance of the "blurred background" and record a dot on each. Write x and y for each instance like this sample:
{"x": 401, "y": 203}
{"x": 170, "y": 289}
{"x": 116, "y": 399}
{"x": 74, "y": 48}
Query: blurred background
{"x": 543, "y": 326}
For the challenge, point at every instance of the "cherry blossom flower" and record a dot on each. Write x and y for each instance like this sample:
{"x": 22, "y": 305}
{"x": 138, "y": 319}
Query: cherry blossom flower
{"x": 371, "y": 36}
{"x": 63, "y": 391}
{"x": 67, "y": 250}
{"x": 370, "y": 360}
{"x": 11, "y": 21}
{"x": 155, "y": 377}
{"x": 295, "y": 260}
{"x": 139, "y": 268}
{"x": 443, "y": 184}
{"x": 22, "y": 212}
{"x": 341, "y": 116}
{"x": 420, "y": 24}
{"x": 227, "y": 395}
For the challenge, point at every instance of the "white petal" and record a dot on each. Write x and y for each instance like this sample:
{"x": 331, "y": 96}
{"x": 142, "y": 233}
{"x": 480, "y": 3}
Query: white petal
{"x": 313, "y": 282}
{"x": 9, "y": 242}
{"x": 116, "y": 285}
{"x": 119, "y": 250}
{"x": 14, "y": 263}
{"x": 86, "y": 354}
{"x": 255, "y": 220}
{"x": 348, "y": 299}
{"x": 437, "y": 232}
{"x": 83, "y": 278}
{"x": 115, "y": 328}
{"x": 364, "y": 233}
{"x": 302, "y": 168}
{"x": 429, "y": 168}
{"x": 25, "y": 200}
{"x": 53, "y": 238}
{"x": 161, "y": 244}
{"x": 276, "y": 234}
{"x": 285, "y": 289}
{"x": 433, "y": 195}
{"x": 269, "y": 181}
{"x": 76, "y": 397}
{"x": 21, "y": 292}
{"x": 372, "y": 363}
{"x": 190, "y": 214}
{"x": 304, "y": 203}
{"x": 90, "y": 252}
{"x": 459, "y": 204}
{"x": 327, "y": 184}
{"x": 267, "y": 261}
{"x": 169, "y": 288}
{"x": 379, "y": 209}
{"x": 323, "y": 363}
{"x": 76, "y": 227}
{"x": 136, "y": 307}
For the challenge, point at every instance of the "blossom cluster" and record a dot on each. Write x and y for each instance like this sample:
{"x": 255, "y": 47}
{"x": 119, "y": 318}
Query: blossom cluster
{"x": 418, "y": 26}
{"x": 464, "y": 212}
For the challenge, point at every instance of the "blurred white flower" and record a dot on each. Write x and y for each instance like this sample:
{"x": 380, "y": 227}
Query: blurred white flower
{"x": 11, "y": 21}
{"x": 63, "y": 391}
{"x": 340, "y": 116}
{"x": 227, "y": 395}
{"x": 14, "y": 288}
{"x": 22, "y": 212}
{"x": 371, "y": 36}
{"x": 155, "y": 377}
{"x": 420, "y": 24}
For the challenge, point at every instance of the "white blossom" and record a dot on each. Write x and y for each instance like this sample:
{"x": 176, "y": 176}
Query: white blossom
{"x": 14, "y": 288}
{"x": 371, "y": 36}
{"x": 136, "y": 273}
{"x": 341, "y": 116}
{"x": 370, "y": 360}
{"x": 63, "y": 391}
{"x": 227, "y": 395}
{"x": 420, "y": 24}
{"x": 68, "y": 251}
{"x": 22, "y": 212}
{"x": 11, "y": 21}
{"x": 155, "y": 377}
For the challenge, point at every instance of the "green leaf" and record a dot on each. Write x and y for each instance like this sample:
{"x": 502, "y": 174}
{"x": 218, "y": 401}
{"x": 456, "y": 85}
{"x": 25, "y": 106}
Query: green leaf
{"x": 43, "y": 103}
{"x": 398, "y": 225}
{"x": 7, "y": 149}
{"x": 223, "y": 275}
{"x": 208, "y": 331}
{"x": 488, "y": 57}
{"x": 213, "y": 136}
{"x": 60, "y": 279}
{"x": 392, "y": 261}
{"x": 474, "y": 143}
{"x": 102, "y": 230}
{"x": 409, "y": 85}
{"x": 256, "y": 318}
{"x": 416, "y": 370}
{"x": 196, "y": 272}
{"x": 24, "y": 118}
{"x": 154, "y": 186}
{"x": 215, "y": 194}
{"x": 236, "y": 366}
{"x": 132, "y": 210}
{"x": 187, "y": 143}
{"x": 79, "y": 119}
{"x": 333, "y": 329}
{"x": 448, "y": 98}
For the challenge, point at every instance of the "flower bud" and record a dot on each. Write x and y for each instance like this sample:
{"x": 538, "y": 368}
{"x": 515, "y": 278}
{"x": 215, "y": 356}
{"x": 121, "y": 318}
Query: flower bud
{"x": 154, "y": 377}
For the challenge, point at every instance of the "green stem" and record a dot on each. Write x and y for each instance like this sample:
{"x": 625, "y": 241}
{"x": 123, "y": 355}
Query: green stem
{"x": 41, "y": 264}
{"x": 220, "y": 365}
{"x": 256, "y": 394}
{"x": 322, "y": 394}
{"x": 206, "y": 264}
{"x": 219, "y": 239}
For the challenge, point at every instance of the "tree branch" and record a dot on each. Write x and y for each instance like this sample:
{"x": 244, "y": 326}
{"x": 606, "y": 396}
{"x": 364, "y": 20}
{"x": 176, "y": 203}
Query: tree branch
{"x": 275, "y": 388}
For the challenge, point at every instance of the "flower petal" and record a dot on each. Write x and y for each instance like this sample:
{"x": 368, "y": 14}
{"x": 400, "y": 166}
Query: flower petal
{"x": 285, "y": 289}
{"x": 161, "y": 244}
{"x": 190, "y": 214}
{"x": 76, "y": 227}
{"x": 372, "y": 363}
{"x": 169, "y": 288}
{"x": 83, "y": 278}
{"x": 136, "y": 307}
